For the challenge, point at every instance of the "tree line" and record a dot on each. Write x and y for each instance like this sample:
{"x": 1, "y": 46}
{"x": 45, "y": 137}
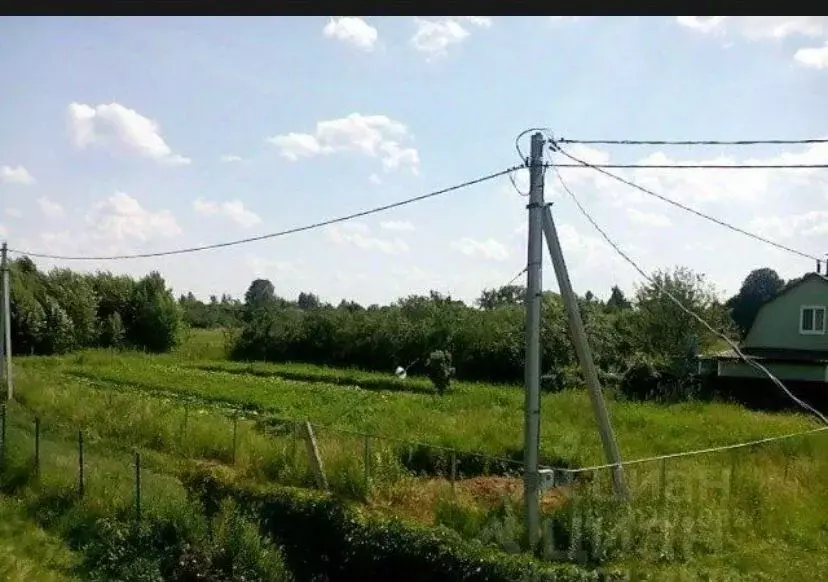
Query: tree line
{"x": 485, "y": 340}
{"x": 62, "y": 310}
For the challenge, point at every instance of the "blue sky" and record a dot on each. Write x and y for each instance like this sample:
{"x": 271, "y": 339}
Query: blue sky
{"x": 122, "y": 135}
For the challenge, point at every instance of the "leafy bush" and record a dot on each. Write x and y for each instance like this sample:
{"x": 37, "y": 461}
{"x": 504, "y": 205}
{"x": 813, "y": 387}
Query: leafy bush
{"x": 169, "y": 549}
{"x": 654, "y": 378}
{"x": 323, "y": 539}
{"x": 439, "y": 370}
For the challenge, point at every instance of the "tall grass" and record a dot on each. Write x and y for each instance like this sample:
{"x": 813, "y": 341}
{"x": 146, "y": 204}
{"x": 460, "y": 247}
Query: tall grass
{"x": 732, "y": 515}
{"x": 171, "y": 540}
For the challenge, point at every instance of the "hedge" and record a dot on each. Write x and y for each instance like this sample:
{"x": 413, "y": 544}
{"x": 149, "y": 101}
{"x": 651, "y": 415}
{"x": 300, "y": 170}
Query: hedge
{"x": 324, "y": 539}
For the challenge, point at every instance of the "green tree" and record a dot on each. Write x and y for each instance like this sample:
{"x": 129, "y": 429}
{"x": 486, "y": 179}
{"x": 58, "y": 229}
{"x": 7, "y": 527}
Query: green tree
{"x": 113, "y": 333}
{"x": 76, "y": 295}
{"x": 664, "y": 328}
{"x": 155, "y": 317}
{"x": 307, "y": 301}
{"x": 617, "y": 300}
{"x": 759, "y": 286}
{"x": 60, "y": 337}
{"x": 507, "y": 295}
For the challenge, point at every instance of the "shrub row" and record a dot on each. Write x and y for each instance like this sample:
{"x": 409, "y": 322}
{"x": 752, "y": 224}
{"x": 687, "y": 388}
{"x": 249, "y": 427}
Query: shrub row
{"x": 488, "y": 343}
{"x": 484, "y": 345}
{"x": 323, "y": 539}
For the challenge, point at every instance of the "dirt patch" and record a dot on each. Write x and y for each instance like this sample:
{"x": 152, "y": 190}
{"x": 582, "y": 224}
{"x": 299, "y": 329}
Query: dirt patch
{"x": 490, "y": 491}
{"x": 418, "y": 498}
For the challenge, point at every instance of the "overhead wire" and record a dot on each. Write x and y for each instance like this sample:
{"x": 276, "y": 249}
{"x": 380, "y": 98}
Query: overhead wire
{"x": 709, "y": 142}
{"x": 704, "y": 166}
{"x": 749, "y": 361}
{"x": 696, "y": 452}
{"x": 684, "y": 207}
{"x": 281, "y": 233}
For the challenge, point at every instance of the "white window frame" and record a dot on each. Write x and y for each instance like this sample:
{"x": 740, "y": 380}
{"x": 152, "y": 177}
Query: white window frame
{"x": 815, "y": 308}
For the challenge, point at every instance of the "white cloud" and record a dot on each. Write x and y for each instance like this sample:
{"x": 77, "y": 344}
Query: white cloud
{"x": 298, "y": 145}
{"x": 374, "y": 179}
{"x": 434, "y": 36}
{"x": 14, "y": 212}
{"x": 15, "y": 175}
{"x": 813, "y": 223}
{"x": 768, "y": 28}
{"x": 358, "y": 234}
{"x": 758, "y": 27}
{"x": 376, "y": 136}
{"x": 229, "y": 159}
{"x": 398, "y": 225}
{"x": 815, "y": 58}
{"x": 4, "y": 231}
{"x": 488, "y": 249}
{"x": 648, "y": 218}
{"x": 121, "y": 218}
{"x": 701, "y": 23}
{"x": 233, "y": 209}
{"x": 352, "y": 30}
{"x": 49, "y": 208}
{"x": 114, "y": 125}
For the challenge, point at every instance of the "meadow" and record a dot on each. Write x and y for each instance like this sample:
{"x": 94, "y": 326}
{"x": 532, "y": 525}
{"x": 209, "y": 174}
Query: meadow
{"x": 392, "y": 447}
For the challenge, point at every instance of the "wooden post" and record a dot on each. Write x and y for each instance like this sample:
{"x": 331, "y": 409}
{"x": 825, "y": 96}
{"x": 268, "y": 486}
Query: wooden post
{"x": 314, "y": 458}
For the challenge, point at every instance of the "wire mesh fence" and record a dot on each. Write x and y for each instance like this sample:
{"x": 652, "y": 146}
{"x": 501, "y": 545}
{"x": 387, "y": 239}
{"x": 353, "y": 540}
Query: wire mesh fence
{"x": 681, "y": 506}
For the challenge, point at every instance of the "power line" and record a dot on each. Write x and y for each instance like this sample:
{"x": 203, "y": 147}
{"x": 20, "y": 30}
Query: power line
{"x": 695, "y": 452}
{"x": 750, "y": 362}
{"x": 294, "y": 230}
{"x": 711, "y": 142}
{"x": 516, "y": 277}
{"x": 702, "y": 166}
{"x": 686, "y": 208}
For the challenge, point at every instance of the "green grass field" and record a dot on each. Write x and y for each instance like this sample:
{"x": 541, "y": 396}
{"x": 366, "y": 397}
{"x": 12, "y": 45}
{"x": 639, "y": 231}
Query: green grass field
{"x": 758, "y": 513}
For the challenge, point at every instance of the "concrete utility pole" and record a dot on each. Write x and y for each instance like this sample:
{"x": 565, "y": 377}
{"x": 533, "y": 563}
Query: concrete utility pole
{"x": 534, "y": 266}
{"x": 6, "y": 331}
{"x": 582, "y": 349}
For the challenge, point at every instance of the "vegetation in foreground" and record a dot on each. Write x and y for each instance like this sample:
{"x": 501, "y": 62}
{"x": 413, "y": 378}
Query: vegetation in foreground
{"x": 767, "y": 497}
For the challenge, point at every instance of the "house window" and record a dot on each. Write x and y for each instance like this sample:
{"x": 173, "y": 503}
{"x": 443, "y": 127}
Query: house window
{"x": 812, "y": 320}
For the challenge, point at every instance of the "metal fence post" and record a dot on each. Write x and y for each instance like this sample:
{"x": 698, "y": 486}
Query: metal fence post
{"x": 366, "y": 455}
{"x": 80, "y": 464}
{"x": 2, "y": 436}
{"x": 662, "y": 481}
{"x": 293, "y": 438}
{"x": 235, "y": 433}
{"x": 37, "y": 447}
{"x": 453, "y": 471}
{"x": 184, "y": 423}
{"x": 137, "y": 486}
